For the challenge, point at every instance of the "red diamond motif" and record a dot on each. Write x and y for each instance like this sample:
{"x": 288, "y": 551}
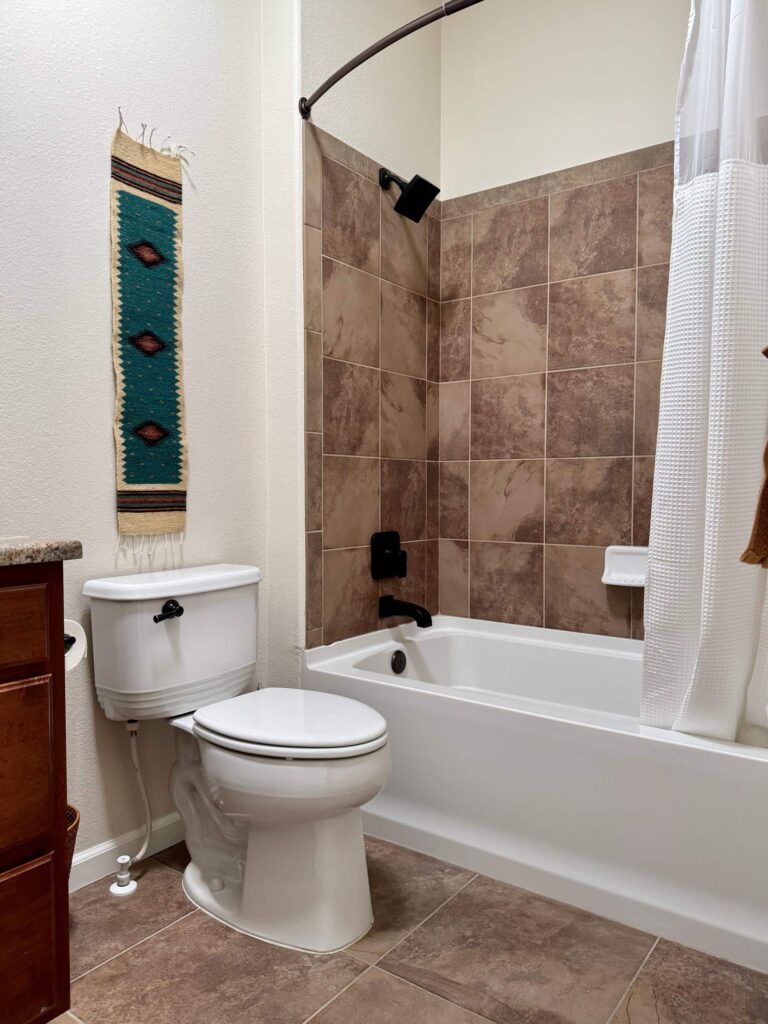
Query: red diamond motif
{"x": 147, "y": 253}
{"x": 148, "y": 343}
{"x": 151, "y": 433}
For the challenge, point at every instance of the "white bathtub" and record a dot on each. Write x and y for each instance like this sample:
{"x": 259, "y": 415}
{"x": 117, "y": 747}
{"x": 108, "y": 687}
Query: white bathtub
{"x": 517, "y": 752}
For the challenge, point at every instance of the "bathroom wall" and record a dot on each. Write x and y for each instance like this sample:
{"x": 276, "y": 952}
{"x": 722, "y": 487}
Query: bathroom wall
{"x": 193, "y": 69}
{"x": 372, "y": 334}
{"x": 529, "y": 88}
{"x": 390, "y": 107}
{"x": 553, "y": 297}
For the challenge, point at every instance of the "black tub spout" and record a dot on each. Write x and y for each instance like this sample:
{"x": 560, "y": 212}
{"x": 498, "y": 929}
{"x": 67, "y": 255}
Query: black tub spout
{"x": 389, "y": 605}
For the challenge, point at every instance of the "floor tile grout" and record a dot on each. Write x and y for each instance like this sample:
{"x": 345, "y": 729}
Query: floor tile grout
{"x": 635, "y": 976}
{"x": 134, "y": 945}
{"x": 376, "y": 962}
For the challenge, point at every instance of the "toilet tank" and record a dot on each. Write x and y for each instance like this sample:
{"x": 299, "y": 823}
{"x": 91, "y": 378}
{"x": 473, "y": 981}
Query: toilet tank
{"x": 148, "y": 669}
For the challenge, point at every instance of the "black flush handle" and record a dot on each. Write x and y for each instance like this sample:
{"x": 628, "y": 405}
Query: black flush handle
{"x": 171, "y": 610}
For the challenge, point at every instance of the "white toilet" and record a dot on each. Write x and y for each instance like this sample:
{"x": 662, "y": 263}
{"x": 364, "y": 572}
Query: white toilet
{"x": 269, "y": 784}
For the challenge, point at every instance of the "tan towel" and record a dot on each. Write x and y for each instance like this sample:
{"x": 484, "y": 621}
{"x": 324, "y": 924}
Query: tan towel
{"x": 757, "y": 549}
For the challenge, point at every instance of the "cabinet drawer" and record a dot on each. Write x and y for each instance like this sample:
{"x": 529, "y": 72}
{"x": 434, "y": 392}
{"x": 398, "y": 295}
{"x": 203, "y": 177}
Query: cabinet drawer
{"x": 26, "y": 783}
{"x": 29, "y": 968}
{"x": 24, "y": 625}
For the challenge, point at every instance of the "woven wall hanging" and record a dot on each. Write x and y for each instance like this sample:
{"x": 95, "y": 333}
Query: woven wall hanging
{"x": 150, "y": 443}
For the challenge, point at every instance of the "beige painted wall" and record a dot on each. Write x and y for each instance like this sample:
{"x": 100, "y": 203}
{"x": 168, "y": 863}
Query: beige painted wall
{"x": 390, "y": 107}
{"x": 190, "y": 67}
{"x": 529, "y": 88}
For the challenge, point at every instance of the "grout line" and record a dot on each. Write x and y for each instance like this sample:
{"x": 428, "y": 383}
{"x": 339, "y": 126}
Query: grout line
{"x": 434, "y": 995}
{"x": 339, "y": 993}
{"x": 469, "y": 411}
{"x": 635, "y": 976}
{"x": 423, "y": 921}
{"x": 135, "y": 944}
{"x": 546, "y": 422}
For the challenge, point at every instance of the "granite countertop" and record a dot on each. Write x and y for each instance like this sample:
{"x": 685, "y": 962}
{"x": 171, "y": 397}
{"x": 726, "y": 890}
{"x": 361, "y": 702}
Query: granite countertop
{"x": 24, "y": 551}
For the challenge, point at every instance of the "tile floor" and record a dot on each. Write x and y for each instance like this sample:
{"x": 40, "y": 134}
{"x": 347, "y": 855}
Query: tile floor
{"x": 448, "y": 947}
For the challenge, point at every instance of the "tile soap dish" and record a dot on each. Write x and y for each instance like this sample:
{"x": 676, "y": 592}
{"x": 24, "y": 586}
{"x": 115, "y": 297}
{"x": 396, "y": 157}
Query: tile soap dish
{"x": 625, "y": 566}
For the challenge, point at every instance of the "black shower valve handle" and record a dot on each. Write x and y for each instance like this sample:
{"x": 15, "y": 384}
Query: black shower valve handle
{"x": 171, "y": 610}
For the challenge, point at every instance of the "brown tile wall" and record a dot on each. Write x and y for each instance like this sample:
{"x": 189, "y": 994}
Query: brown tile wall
{"x": 372, "y": 321}
{"x": 485, "y": 382}
{"x": 553, "y": 295}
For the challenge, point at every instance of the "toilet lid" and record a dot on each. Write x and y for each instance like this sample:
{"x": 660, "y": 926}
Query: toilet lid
{"x": 287, "y": 717}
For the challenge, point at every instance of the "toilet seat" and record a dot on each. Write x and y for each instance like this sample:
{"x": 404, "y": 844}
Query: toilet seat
{"x": 292, "y": 723}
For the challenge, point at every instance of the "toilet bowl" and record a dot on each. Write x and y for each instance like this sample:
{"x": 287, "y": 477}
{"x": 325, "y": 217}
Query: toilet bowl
{"x": 269, "y": 783}
{"x": 269, "y": 786}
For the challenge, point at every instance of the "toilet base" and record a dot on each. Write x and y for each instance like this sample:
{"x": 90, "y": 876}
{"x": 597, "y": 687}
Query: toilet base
{"x": 305, "y": 885}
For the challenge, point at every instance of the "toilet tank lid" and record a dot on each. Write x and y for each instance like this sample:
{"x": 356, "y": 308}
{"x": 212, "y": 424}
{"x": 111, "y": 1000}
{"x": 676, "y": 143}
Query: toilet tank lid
{"x": 198, "y": 579}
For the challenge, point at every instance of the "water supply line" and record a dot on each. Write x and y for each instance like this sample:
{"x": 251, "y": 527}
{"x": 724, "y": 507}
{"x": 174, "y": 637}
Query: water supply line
{"x": 124, "y": 884}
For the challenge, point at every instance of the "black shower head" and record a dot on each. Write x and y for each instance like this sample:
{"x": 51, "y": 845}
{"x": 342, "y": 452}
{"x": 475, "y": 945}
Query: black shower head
{"x": 415, "y": 195}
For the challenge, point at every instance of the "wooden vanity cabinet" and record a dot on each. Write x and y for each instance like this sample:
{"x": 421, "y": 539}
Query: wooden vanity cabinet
{"x": 34, "y": 936}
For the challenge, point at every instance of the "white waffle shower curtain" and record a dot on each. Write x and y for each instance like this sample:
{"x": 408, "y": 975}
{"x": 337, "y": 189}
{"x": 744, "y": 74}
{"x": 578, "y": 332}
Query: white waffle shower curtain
{"x": 706, "y": 615}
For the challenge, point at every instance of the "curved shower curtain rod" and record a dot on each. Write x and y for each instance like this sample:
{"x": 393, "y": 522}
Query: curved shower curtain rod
{"x": 449, "y": 7}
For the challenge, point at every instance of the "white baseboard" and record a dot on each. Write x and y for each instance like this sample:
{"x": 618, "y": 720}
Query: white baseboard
{"x": 96, "y": 862}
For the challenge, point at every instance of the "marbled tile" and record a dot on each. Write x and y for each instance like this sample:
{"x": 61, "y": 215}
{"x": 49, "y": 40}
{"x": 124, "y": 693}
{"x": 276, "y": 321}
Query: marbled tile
{"x": 217, "y": 975}
{"x": 454, "y": 420}
{"x": 647, "y": 389}
{"x": 411, "y": 587}
{"x": 652, "y": 285}
{"x": 434, "y": 233}
{"x": 576, "y": 599}
{"x": 403, "y": 330}
{"x": 682, "y": 986}
{"x": 350, "y": 409}
{"x": 313, "y": 178}
{"x": 313, "y": 284}
{"x": 176, "y": 856}
{"x": 456, "y": 258}
{"x": 101, "y": 926}
{"x": 350, "y": 313}
{"x": 474, "y": 202}
{"x": 313, "y": 481}
{"x": 405, "y": 887}
{"x": 508, "y": 417}
{"x": 593, "y": 229}
{"x": 342, "y": 153}
{"x": 350, "y": 500}
{"x": 404, "y": 246}
{"x": 453, "y": 558}
{"x": 454, "y": 339}
{"x": 506, "y": 582}
{"x": 404, "y": 498}
{"x": 313, "y": 382}
{"x": 350, "y": 217}
{"x": 655, "y": 215}
{"x": 454, "y": 500}
{"x": 432, "y": 581}
{"x": 642, "y": 499}
{"x": 433, "y": 420}
{"x": 313, "y": 552}
{"x": 379, "y": 998}
{"x": 313, "y": 638}
{"x": 589, "y": 501}
{"x": 350, "y": 596}
{"x": 637, "y": 613}
{"x": 510, "y": 247}
{"x": 515, "y": 957}
{"x": 433, "y": 500}
{"x": 403, "y": 417}
{"x": 509, "y": 332}
{"x": 589, "y": 412}
{"x": 433, "y": 340}
{"x": 506, "y": 500}
{"x": 592, "y": 320}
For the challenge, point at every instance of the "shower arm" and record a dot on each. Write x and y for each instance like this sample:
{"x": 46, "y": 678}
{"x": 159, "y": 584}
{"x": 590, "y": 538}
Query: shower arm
{"x": 443, "y": 11}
